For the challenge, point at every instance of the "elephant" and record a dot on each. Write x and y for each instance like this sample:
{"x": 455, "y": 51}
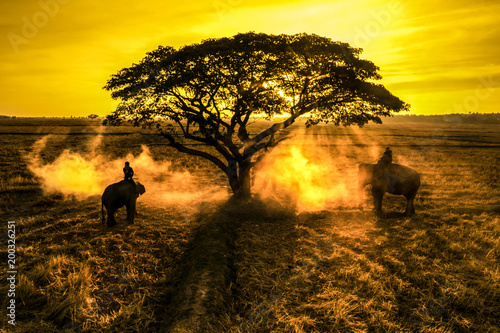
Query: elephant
{"x": 394, "y": 179}
{"x": 117, "y": 195}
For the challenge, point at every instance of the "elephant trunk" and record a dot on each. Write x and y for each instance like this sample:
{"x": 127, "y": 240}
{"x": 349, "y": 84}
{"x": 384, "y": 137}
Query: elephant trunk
{"x": 361, "y": 192}
{"x": 363, "y": 180}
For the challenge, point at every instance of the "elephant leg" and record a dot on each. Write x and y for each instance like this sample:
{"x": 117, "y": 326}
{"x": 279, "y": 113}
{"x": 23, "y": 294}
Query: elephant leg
{"x": 410, "y": 207}
{"x": 111, "y": 218}
{"x": 130, "y": 214}
{"x": 131, "y": 211}
{"x": 378, "y": 196}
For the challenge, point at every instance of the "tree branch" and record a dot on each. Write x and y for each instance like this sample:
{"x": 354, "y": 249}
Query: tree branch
{"x": 183, "y": 149}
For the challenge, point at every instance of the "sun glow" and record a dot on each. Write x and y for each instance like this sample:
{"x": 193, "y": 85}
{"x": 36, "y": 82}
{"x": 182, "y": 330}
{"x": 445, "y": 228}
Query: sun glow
{"x": 39, "y": 62}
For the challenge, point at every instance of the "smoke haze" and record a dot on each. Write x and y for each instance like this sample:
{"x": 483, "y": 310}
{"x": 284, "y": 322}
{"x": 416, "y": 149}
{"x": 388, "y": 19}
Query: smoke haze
{"x": 314, "y": 170}
{"x": 310, "y": 170}
{"x": 84, "y": 175}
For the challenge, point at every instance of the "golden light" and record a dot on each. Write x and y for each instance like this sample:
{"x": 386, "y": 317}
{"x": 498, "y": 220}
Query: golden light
{"x": 84, "y": 175}
{"x": 70, "y": 173}
{"x": 305, "y": 177}
{"x": 58, "y": 66}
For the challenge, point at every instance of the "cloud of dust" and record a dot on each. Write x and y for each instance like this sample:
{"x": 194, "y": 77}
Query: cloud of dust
{"x": 313, "y": 171}
{"x": 81, "y": 176}
{"x": 317, "y": 169}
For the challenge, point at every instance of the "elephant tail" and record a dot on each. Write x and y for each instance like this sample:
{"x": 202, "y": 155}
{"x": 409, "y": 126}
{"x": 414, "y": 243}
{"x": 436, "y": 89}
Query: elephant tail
{"x": 102, "y": 211}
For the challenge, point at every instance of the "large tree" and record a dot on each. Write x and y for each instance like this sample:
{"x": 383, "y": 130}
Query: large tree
{"x": 211, "y": 91}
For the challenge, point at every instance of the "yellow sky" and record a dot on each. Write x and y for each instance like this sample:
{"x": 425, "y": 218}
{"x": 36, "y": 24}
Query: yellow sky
{"x": 56, "y": 55}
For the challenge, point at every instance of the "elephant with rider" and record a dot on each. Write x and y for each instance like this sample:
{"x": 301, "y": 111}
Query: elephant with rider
{"x": 117, "y": 195}
{"x": 389, "y": 178}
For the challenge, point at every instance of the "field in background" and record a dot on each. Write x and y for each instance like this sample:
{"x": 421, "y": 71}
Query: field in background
{"x": 201, "y": 264}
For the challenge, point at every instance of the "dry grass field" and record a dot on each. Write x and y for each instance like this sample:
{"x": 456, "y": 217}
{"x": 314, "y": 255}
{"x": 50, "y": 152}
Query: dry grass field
{"x": 299, "y": 257}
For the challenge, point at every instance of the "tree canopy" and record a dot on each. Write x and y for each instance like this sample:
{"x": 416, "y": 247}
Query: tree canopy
{"x": 211, "y": 90}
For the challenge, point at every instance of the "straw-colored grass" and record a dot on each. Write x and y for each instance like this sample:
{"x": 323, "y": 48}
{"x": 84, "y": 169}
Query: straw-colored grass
{"x": 261, "y": 266}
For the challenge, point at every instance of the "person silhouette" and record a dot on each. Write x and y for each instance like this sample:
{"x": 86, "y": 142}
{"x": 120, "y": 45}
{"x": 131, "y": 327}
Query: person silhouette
{"x": 128, "y": 171}
{"x": 384, "y": 163}
{"x": 386, "y": 158}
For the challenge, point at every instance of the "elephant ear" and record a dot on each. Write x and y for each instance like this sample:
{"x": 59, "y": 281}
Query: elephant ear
{"x": 141, "y": 189}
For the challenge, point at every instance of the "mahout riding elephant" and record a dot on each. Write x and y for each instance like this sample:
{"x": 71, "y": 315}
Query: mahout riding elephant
{"x": 394, "y": 179}
{"x": 117, "y": 195}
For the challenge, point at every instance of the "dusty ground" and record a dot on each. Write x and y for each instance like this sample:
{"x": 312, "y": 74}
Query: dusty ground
{"x": 270, "y": 265}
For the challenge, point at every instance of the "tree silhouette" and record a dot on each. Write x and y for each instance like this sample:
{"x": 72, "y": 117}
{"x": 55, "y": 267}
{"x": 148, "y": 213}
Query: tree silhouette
{"x": 212, "y": 89}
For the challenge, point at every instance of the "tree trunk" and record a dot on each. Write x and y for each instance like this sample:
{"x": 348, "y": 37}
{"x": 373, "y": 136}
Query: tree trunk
{"x": 240, "y": 182}
{"x": 245, "y": 180}
{"x": 234, "y": 183}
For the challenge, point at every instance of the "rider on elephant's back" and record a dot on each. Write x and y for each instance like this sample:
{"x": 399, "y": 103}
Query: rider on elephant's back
{"x": 129, "y": 172}
{"x": 383, "y": 167}
{"x": 386, "y": 159}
